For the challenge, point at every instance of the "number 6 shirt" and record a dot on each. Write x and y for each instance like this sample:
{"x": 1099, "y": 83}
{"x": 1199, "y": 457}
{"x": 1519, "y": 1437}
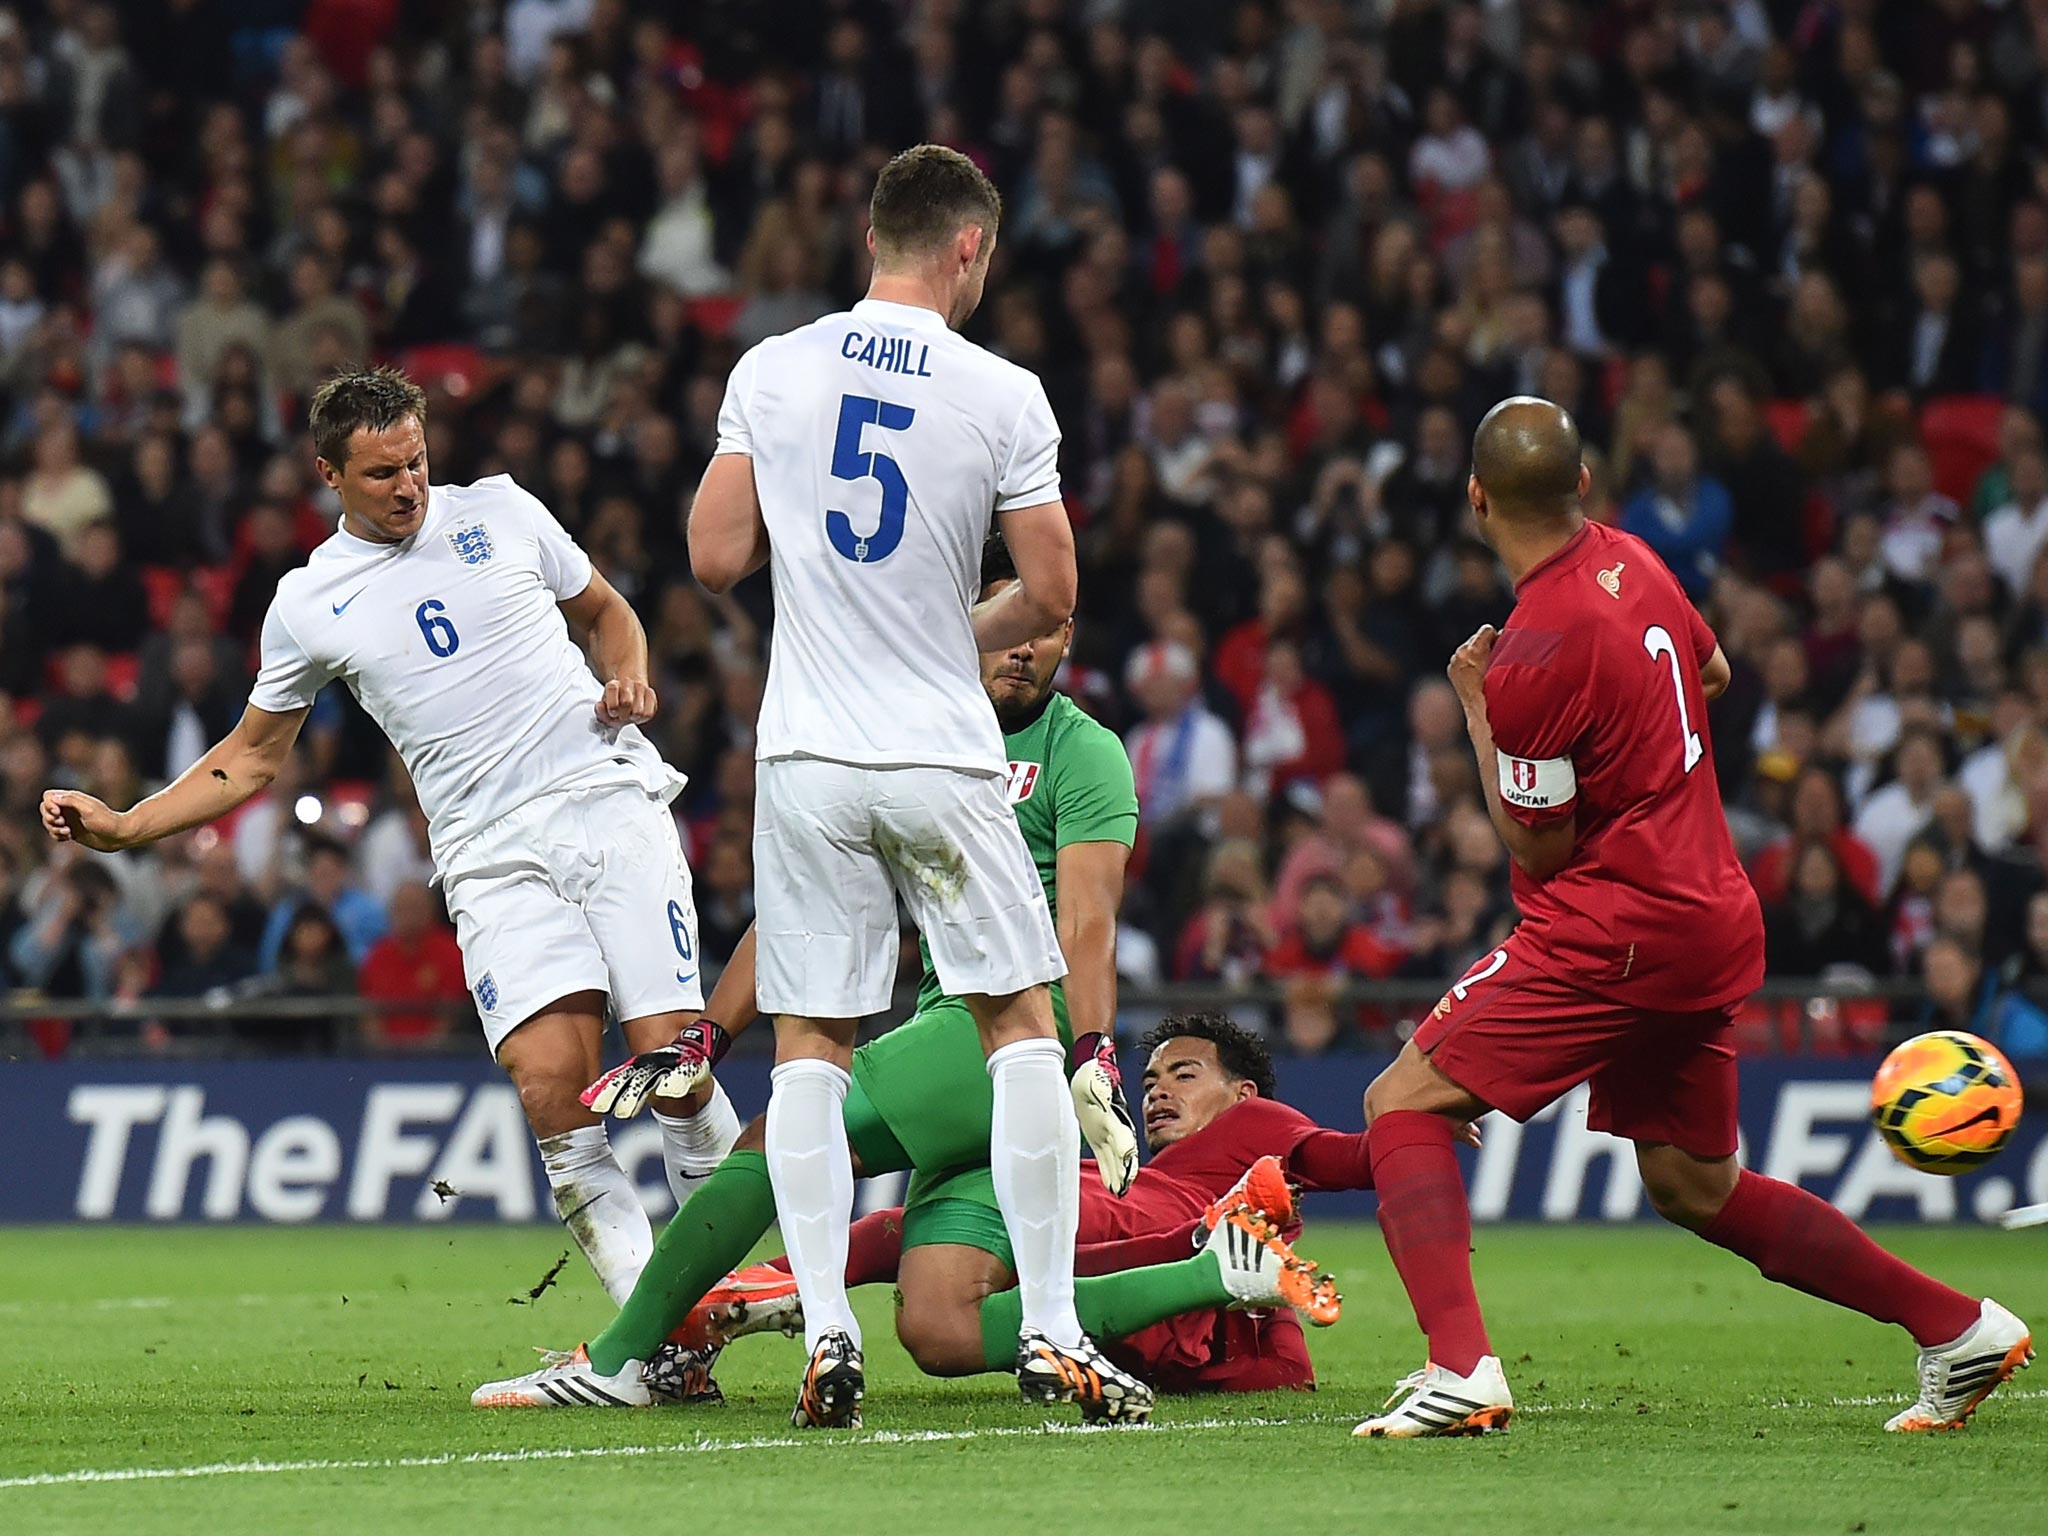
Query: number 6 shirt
{"x": 452, "y": 642}
{"x": 882, "y": 444}
{"x": 1595, "y": 700}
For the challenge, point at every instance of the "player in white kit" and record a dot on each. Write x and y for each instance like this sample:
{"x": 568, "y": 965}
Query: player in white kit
{"x": 861, "y": 459}
{"x": 547, "y": 809}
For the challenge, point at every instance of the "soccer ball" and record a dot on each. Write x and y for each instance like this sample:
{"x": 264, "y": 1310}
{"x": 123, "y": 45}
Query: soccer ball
{"x": 1945, "y": 1102}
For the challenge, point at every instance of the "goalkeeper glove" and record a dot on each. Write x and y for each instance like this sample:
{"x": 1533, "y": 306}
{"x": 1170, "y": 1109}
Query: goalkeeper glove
{"x": 1098, "y": 1087}
{"x": 675, "y": 1069}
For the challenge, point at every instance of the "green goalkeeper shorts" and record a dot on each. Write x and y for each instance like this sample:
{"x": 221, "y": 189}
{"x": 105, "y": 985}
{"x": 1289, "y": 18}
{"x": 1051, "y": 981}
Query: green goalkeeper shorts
{"x": 957, "y": 1206}
{"x": 922, "y": 1100}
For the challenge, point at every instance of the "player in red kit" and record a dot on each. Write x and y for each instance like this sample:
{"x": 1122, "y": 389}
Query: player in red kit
{"x": 1218, "y": 1137}
{"x": 1639, "y": 936}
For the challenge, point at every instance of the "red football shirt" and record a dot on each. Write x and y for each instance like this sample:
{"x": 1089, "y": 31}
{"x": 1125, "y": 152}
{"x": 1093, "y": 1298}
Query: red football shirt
{"x": 1178, "y": 1184}
{"x": 1206, "y": 1351}
{"x": 1597, "y": 710}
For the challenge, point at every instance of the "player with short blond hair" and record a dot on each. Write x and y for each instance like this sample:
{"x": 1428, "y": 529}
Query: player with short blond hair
{"x": 442, "y": 609}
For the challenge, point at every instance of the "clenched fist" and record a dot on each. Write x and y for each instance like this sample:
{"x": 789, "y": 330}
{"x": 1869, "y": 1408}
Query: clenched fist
{"x": 626, "y": 702}
{"x": 72, "y": 817}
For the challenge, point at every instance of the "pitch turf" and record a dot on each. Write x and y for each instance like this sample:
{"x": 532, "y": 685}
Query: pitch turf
{"x": 271, "y": 1380}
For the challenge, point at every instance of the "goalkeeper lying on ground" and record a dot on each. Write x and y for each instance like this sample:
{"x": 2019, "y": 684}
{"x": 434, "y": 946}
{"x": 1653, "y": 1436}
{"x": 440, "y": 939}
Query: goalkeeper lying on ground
{"x": 1198, "y": 1234}
{"x": 1220, "y": 1140}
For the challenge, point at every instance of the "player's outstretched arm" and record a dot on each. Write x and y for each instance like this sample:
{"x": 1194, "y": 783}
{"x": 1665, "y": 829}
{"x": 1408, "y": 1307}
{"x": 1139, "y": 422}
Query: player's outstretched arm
{"x": 618, "y": 648}
{"x": 686, "y": 1062}
{"x": 1041, "y": 544}
{"x": 728, "y": 537}
{"x": 732, "y": 1001}
{"x": 240, "y": 765}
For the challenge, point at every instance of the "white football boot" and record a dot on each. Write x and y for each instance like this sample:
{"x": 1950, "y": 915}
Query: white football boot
{"x": 1260, "y": 1268}
{"x": 569, "y": 1381}
{"x": 1441, "y": 1402}
{"x": 1955, "y": 1378}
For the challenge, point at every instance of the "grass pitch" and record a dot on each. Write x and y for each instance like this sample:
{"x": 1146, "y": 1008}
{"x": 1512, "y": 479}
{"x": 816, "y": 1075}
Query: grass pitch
{"x": 217, "y": 1381}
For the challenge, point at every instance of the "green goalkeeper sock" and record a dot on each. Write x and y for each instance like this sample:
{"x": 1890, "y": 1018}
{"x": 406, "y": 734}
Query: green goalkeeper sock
{"x": 1111, "y": 1306}
{"x": 704, "y": 1241}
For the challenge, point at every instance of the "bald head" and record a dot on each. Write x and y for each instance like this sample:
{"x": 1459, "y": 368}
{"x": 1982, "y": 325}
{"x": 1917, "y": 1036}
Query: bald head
{"x": 1526, "y": 458}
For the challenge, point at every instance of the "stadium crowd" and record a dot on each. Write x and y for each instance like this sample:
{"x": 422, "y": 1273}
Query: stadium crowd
{"x": 1786, "y": 262}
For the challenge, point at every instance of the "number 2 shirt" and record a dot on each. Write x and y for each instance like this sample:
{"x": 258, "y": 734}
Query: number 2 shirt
{"x": 1598, "y": 712}
{"x": 452, "y": 642}
{"x": 882, "y": 444}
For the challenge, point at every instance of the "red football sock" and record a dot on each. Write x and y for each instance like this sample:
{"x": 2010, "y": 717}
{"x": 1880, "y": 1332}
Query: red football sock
{"x": 1428, "y": 1227}
{"x": 1122, "y": 1253}
{"x": 874, "y": 1247}
{"x": 1798, "y": 1239}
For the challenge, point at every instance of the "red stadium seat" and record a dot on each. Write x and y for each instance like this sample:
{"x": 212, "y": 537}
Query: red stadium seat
{"x": 714, "y": 314}
{"x": 124, "y": 672}
{"x": 450, "y": 368}
{"x": 163, "y": 585}
{"x": 217, "y": 586}
{"x": 1817, "y": 525}
{"x": 1788, "y": 420}
{"x": 1756, "y": 1028}
{"x": 1961, "y": 434}
{"x": 348, "y": 802}
{"x": 1614, "y": 381}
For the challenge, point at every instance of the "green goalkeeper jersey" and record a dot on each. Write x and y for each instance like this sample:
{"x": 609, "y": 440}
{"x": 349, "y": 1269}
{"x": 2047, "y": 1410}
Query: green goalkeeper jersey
{"x": 1070, "y": 782}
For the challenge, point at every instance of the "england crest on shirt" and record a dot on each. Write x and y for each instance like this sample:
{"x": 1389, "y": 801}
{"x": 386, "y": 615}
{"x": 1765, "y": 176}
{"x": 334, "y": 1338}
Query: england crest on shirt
{"x": 472, "y": 545}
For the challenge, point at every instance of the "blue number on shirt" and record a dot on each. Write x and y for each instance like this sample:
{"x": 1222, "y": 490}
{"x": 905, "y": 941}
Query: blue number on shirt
{"x": 441, "y": 637}
{"x": 679, "y": 927}
{"x": 851, "y": 462}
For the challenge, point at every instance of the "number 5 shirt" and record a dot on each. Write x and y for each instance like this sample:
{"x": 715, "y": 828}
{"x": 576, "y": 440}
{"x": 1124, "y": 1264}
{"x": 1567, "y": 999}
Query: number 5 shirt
{"x": 1597, "y": 710}
{"x": 451, "y": 640}
{"x": 882, "y": 444}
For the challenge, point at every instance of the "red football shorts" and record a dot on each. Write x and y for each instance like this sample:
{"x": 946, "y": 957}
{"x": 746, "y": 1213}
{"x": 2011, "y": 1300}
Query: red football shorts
{"x": 1520, "y": 1038}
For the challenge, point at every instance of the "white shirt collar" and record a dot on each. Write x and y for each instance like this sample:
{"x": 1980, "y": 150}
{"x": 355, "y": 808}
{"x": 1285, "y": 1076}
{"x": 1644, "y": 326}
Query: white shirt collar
{"x": 916, "y": 316}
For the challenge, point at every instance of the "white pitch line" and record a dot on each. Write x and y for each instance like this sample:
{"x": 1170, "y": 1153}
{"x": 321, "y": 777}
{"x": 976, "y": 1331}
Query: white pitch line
{"x": 607, "y": 1452}
{"x": 709, "y": 1446}
{"x": 1897, "y": 1399}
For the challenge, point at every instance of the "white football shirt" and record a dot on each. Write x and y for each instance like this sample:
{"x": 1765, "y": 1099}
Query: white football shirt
{"x": 883, "y": 444}
{"x": 453, "y": 643}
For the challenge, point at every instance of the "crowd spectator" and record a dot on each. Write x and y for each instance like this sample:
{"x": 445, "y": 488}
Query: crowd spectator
{"x": 1683, "y": 514}
{"x": 328, "y": 888}
{"x": 1324, "y": 947}
{"x": 1962, "y": 993}
{"x": 1823, "y": 920}
{"x": 415, "y": 970}
{"x": 1271, "y": 273}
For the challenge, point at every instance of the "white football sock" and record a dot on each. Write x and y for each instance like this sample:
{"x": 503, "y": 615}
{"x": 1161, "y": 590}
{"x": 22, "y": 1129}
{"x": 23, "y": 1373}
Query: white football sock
{"x": 599, "y": 1206}
{"x": 1034, "y": 1152}
{"x": 811, "y": 1167}
{"x": 693, "y": 1145}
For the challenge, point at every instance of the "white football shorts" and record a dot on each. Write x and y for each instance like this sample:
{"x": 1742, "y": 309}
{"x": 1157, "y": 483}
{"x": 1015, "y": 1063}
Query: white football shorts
{"x": 580, "y": 890}
{"x": 835, "y": 844}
